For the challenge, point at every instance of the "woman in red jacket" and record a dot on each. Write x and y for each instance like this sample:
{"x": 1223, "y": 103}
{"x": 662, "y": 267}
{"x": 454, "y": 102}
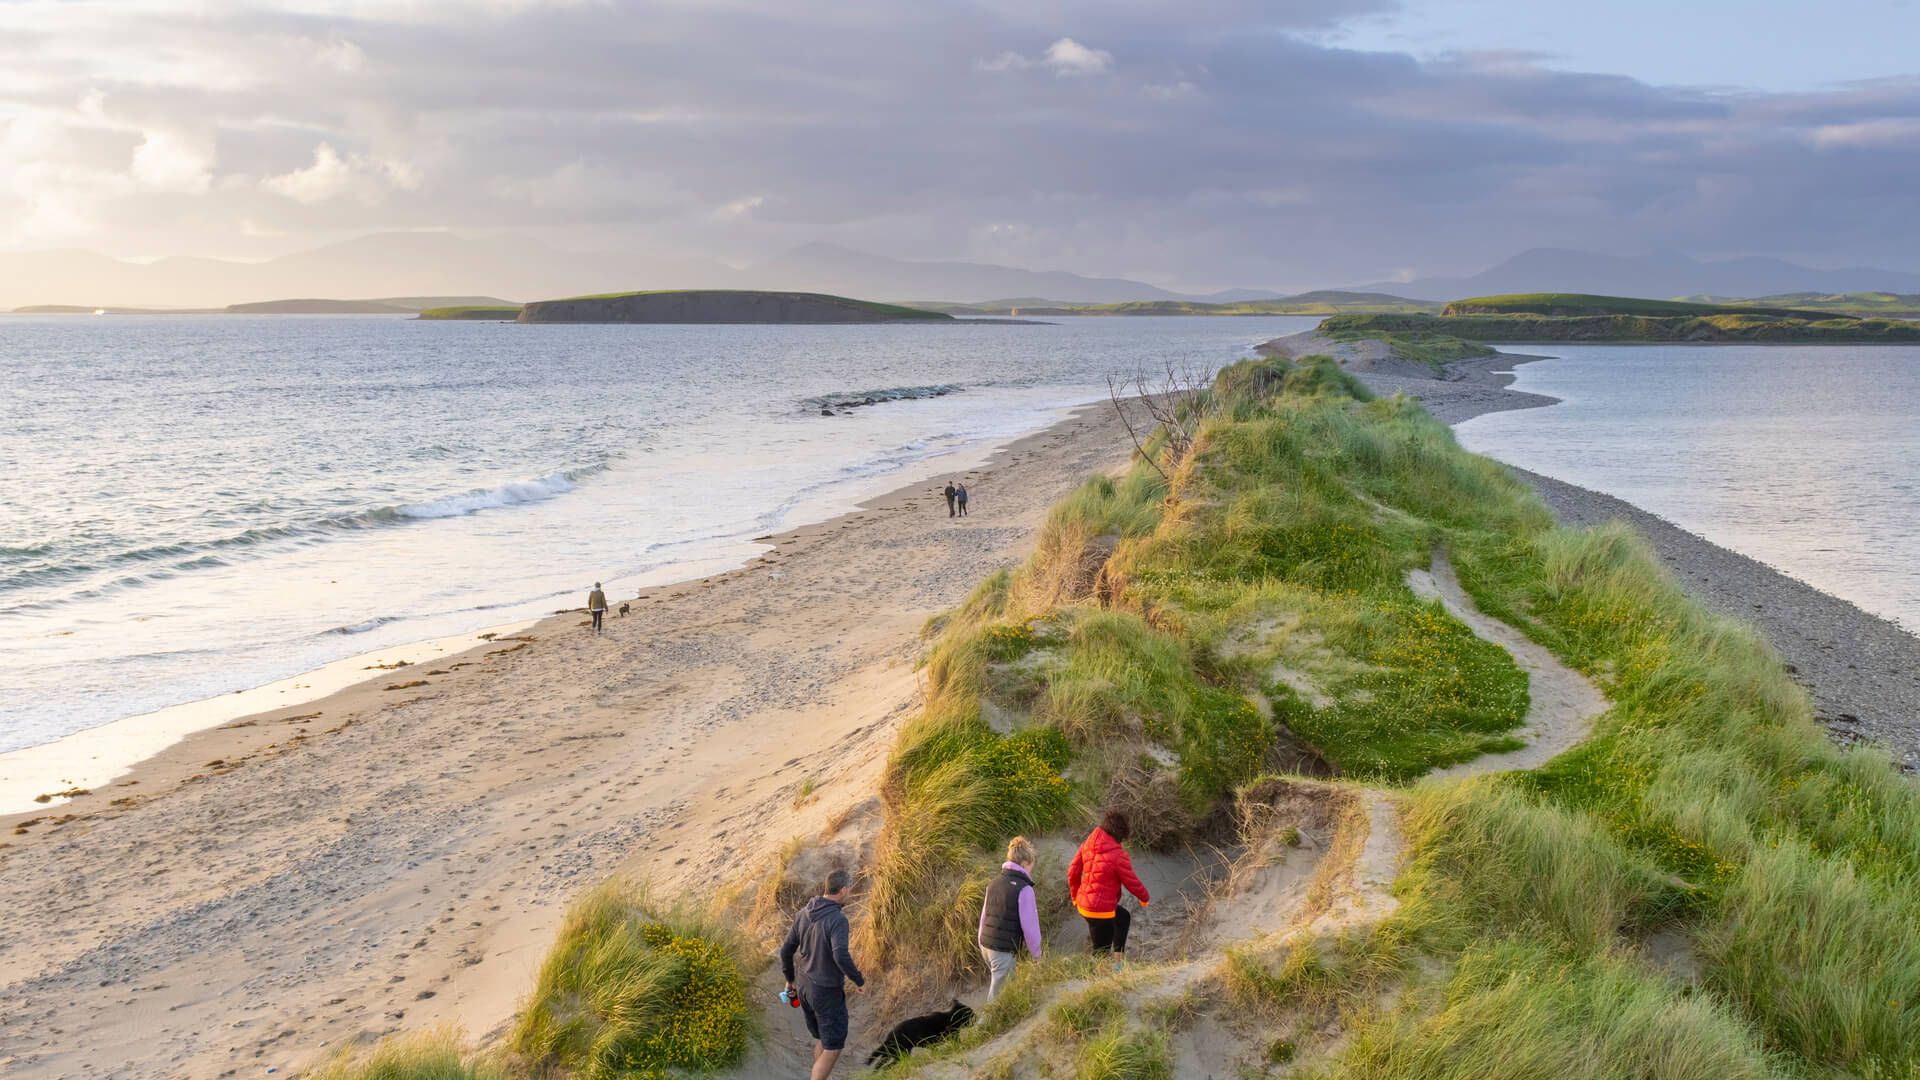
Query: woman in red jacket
{"x": 1099, "y": 869}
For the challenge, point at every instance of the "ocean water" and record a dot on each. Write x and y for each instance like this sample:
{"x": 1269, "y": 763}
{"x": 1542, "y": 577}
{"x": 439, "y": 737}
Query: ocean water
{"x": 194, "y": 505}
{"x": 1804, "y": 457}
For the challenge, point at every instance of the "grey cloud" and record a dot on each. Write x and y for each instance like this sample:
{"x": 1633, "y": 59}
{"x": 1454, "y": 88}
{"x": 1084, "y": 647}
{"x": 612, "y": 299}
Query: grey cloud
{"x": 1219, "y": 146}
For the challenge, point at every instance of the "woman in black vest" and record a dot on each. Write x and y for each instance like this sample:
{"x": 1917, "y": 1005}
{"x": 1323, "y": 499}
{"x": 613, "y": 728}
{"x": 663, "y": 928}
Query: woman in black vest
{"x": 1010, "y": 916}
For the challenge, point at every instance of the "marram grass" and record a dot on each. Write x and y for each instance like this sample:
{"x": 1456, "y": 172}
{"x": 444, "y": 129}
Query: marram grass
{"x": 430, "y": 1055}
{"x": 633, "y": 991}
{"x": 1707, "y": 887}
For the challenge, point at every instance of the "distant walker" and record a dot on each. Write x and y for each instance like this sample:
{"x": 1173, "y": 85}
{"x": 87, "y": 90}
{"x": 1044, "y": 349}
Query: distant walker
{"x": 597, "y": 606}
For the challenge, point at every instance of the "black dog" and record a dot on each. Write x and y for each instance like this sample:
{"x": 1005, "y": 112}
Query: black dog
{"x": 623, "y": 610}
{"x": 920, "y": 1031}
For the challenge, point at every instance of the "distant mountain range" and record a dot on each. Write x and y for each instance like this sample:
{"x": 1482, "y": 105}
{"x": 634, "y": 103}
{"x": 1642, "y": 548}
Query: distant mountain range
{"x": 1659, "y": 275}
{"x": 439, "y": 264}
{"x": 447, "y": 264}
{"x": 834, "y": 269}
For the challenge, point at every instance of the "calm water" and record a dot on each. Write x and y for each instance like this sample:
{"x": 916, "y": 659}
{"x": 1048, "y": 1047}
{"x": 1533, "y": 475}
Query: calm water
{"x": 1806, "y": 458}
{"x": 196, "y": 505}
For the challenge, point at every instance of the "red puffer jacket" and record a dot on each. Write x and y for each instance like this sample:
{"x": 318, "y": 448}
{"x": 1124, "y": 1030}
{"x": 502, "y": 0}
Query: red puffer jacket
{"x": 1098, "y": 870}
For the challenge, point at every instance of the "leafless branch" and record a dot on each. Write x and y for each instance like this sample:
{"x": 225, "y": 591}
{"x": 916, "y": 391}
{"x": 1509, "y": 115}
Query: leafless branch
{"x": 1173, "y": 402}
{"x": 1114, "y": 386}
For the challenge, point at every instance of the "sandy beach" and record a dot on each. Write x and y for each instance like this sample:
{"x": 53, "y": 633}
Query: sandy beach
{"x": 397, "y": 855}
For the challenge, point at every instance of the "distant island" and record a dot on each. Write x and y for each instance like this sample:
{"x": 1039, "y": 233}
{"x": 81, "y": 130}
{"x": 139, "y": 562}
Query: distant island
{"x": 721, "y": 306}
{"x": 1550, "y": 317}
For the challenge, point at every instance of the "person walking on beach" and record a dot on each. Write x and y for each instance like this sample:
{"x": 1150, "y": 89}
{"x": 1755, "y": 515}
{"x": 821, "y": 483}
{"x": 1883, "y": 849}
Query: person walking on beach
{"x": 817, "y": 943}
{"x": 1010, "y": 916}
{"x": 597, "y": 606}
{"x": 1094, "y": 879}
{"x": 950, "y": 497}
{"x": 960, "y": 496}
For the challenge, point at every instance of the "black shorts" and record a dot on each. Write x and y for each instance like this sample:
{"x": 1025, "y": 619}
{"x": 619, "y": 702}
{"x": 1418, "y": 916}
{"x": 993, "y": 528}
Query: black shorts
{"x": 825, "y": 1008}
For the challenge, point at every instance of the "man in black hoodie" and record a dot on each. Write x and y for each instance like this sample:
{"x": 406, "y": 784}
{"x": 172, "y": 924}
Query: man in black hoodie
{"x": 818, "y": 941}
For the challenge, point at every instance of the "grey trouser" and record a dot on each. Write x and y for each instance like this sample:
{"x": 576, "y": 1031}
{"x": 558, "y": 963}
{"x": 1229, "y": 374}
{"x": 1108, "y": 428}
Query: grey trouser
{"x": 999, "y": 967}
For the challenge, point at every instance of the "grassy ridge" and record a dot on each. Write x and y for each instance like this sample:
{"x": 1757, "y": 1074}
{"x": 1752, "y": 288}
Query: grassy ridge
{"x": 1708, "y": 820}
{"x": 1757, "y": 329}
{"x": 1322, "y": 302}
{"x": 1163, "y": 635}
{"x": 1862, "y": 303}
{"x": 1564, "y": 304}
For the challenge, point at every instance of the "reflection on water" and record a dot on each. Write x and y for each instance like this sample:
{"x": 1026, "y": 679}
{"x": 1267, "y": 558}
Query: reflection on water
{"x": 1806, "y": 458}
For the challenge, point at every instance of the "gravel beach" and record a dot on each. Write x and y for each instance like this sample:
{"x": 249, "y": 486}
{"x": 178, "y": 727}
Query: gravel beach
{"x": 1862, "y": 671}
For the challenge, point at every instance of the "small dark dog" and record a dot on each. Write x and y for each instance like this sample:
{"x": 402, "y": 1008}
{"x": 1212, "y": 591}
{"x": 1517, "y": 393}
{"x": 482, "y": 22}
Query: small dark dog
{"x": 623, "y": 609}
{"x": 920, "y": 1031}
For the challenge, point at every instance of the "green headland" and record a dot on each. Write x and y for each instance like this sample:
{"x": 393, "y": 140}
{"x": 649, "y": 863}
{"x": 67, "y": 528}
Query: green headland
{"x": 1321, "y": 302}
{"x": 1549, "y": 317}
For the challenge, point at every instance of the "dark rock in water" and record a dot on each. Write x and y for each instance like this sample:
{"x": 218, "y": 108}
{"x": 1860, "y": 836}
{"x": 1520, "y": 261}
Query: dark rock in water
{"x": 855, "y": 399}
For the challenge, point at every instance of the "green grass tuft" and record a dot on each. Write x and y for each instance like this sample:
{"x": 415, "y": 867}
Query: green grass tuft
{"x": 629, "y": 990}
{"x": 1520, "y": 1011}
{"x": 1122, "y": 1054}
{"x": 433, "y": 1055}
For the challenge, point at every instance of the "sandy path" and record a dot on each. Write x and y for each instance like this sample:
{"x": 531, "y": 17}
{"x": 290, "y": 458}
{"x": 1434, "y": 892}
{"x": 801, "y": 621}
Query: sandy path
{"x": 1563, "y": 703}
{"x": 390, "y": 859}
{"x": 1862, "y": 671}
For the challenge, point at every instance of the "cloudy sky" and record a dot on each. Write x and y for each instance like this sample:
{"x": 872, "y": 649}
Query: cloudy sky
{"x": 1196, "y": 144}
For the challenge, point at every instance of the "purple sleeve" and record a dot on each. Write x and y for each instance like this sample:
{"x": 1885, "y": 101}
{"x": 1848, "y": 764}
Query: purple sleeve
{"x": 1030, "y": 921}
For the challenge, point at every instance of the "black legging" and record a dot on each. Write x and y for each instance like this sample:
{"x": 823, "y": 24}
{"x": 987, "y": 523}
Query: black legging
{"x": 1110, "y": 935}
{"x": 597, "y": 616}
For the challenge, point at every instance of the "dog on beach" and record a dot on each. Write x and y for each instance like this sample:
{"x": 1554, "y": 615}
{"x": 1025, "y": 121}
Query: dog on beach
{"x": 623, "y": 608}
{"x": 919, "y": 1031}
